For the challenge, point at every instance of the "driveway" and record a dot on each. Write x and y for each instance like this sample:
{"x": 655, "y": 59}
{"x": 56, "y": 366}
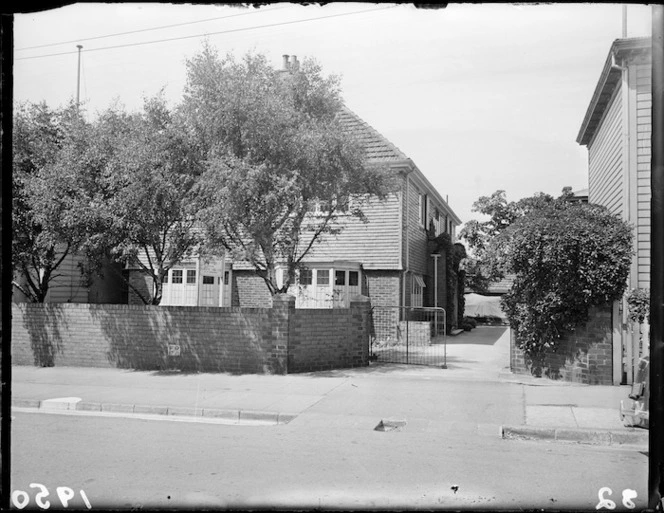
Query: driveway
{"x": 482, "y": 353}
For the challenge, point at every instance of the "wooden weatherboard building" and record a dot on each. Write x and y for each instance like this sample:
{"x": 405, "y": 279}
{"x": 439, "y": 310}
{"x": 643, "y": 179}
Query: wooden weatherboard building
{"x": 616, "y": 130}
{"x": 387, "y": 258}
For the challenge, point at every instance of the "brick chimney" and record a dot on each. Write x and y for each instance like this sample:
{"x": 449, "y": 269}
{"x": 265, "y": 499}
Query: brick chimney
{"x": 286, "y": 66}
{"x": 295, "y": 64}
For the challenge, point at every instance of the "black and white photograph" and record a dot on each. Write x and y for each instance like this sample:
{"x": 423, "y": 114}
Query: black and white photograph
{"x": 333, "y": 256}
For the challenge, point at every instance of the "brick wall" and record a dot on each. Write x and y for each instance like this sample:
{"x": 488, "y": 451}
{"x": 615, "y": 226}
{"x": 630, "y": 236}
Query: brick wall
{"x": 384, "y": 290}
{"x": 584, "y": 356}
{"x": 249, "y": 290}
{"x": 318, "y": 344}
{"x": 418, "y": 332}
{"x": 238, "y": 340}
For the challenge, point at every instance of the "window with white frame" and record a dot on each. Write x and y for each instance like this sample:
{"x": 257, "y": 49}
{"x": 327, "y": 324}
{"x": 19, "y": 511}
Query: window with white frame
{"x": 176, "y": 276}
{"x": 417, "y": 291}
{"x": 325, "y": 285}
{"x": 306, "y": 277}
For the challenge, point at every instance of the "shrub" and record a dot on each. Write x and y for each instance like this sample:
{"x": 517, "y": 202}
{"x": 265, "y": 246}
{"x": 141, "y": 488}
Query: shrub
{"x": 566, "y": 257}
{"x": 638, "y": 303}
{"x": 469, "y": 320}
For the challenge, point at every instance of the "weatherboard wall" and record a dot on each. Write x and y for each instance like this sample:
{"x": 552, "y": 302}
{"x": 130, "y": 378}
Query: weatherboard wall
{"x": 642, "y": 79}
{"x": 375, "y": 244}
{"x": 605, "y": 159}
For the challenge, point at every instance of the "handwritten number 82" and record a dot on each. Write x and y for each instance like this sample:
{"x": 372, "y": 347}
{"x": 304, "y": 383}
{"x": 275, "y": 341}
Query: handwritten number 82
{"x": 627, "y": 496}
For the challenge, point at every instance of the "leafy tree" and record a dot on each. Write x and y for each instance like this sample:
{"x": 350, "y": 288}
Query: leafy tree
{"x": 479, "y": 234}
{"x": 566, "y": 258}
{"x": 145, "y": 203}
{"x": 46, "y": 227}
{"x": 274, "y": 147}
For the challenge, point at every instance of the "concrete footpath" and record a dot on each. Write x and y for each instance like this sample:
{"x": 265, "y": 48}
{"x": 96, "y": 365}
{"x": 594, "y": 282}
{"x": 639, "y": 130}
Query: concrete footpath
{"x": 475, "y": 392}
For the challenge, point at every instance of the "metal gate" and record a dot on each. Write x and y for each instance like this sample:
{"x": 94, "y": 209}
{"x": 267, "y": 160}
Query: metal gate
{"x": 413, "y": 335}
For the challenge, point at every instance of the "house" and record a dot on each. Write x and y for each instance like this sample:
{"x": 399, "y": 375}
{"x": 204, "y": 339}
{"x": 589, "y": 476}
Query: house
{"x": 394, "y": 258}
{"x": 194, "y": 281}
{"x": 388, "y": 259}
{"x": 616, "y": 131}
{"x": 71, "y": 286}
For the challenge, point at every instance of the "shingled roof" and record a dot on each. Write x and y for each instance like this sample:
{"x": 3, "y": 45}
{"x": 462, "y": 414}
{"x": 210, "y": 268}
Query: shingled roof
{"x": 377, "y": 147}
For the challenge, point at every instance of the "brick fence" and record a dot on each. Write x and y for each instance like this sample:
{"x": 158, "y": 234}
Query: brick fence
{"x": 583, "y": 356}
{"x": 277, "y": 340}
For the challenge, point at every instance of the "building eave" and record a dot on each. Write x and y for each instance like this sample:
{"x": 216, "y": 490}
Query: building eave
{"x": 622, "y": 50}
{"x": 434, "y": 192}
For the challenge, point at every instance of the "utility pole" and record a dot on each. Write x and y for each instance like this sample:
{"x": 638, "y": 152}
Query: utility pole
{"x": 78, "y": 78}
{"x": 435, "y": 257}
{"x": 656, "y": 406}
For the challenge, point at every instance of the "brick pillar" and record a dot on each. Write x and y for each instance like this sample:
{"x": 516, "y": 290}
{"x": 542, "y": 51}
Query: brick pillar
{"x": 361, "y": 313}
{"x": 283, "y": 306}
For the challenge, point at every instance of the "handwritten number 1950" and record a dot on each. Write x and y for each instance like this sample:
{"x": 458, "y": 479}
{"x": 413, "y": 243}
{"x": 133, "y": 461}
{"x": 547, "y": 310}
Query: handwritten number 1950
{"x": 21, "y": 499}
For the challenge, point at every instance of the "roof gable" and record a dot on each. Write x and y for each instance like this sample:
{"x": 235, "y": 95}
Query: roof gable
{"x": 376, "y": 146}
{"x": 379, "y": 150}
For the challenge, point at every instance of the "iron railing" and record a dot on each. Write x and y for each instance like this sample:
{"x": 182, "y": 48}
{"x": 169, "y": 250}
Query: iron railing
{"x": 410, "y": 335}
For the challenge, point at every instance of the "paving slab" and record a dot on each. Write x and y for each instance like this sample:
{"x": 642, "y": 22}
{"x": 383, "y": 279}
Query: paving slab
{"x": 279, "y": 394}
{"x": 608, "y": 418}
{"x": 550, "y": 416}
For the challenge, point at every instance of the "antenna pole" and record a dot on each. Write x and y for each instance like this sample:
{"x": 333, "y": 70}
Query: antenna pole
{"x": 78, "y": 79}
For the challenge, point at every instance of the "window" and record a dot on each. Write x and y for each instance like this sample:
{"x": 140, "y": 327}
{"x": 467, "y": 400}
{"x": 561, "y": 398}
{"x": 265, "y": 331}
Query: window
{"x": 191, "y": 276}
{"x": 208, "y": 280}
{"x": 417, "y": 291}
{"x": 164, "y": 278}
{"x": 176, "y": 276}
{"x": 322, "y": 207}
{"x": 436, "y": 222}
{"x": 340, "y": 277}
{"x": 422, "y": 206}
{"x": 353, "y": 278}
{"x": 306, "y": 276}
{"x": 323, "y": 277}
{"x": 226, "y": 277}
{"x": 342, "y": 204}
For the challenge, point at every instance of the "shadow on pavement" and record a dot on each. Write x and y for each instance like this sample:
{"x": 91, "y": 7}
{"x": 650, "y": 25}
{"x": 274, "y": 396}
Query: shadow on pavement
{"x": 373, "y": 368}
{"x": 482, "y": 335}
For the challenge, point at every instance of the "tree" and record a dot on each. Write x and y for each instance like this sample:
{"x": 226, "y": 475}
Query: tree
{"x": 479, "y": 234}
{"x": 274, "y": 148}
{"x": 566, "y": 258}
{"x": 46, "y": 185}
{"x": 145, "y": 203}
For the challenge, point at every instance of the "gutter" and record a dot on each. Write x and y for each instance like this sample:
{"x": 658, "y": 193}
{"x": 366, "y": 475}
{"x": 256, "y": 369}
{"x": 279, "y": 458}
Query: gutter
{"x": 610, "y": 76}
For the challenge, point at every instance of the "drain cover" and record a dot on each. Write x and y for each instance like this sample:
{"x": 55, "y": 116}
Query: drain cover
{"x": 390, "y": 425}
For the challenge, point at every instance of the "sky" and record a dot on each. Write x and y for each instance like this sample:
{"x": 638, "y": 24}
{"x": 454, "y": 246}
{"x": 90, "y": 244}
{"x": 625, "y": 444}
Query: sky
{"x": 482, "y": 97}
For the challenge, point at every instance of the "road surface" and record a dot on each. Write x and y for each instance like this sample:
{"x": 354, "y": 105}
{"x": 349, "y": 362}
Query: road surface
{"x": 317, "y": 460}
